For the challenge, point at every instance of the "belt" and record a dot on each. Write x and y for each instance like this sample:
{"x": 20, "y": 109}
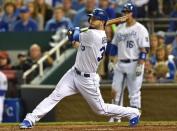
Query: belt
{"x": 128, "y": 60}
{"x": 81, "y": 73}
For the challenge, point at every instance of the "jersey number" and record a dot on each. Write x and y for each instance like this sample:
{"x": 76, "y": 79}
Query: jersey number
{"x": 103, "y": 49}
{"x": 130, "y": 44}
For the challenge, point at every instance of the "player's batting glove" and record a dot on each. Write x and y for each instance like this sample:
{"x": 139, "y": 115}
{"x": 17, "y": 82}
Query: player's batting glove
{"x": 139, "y": 69}
{"x": 70, "y": 34}
{"x": 76, "y": 34}
{"x": 111, "y": 66}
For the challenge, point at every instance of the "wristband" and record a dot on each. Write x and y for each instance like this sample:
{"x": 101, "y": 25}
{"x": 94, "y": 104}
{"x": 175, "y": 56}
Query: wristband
{"x": 142, "y": 56}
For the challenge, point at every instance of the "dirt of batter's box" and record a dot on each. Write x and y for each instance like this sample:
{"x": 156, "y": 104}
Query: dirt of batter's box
{"x": 90, "y": 128}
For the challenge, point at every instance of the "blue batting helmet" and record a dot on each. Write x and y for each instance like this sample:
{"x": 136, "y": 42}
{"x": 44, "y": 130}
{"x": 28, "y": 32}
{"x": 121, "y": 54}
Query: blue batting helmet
{"x": 130, "y": 8}
{"x": 99, "y": 14}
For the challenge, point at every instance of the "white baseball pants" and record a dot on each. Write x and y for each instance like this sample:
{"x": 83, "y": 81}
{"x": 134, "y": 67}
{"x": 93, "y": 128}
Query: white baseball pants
{"x": 124, "y": 74}
{"x": 72, "y": 83}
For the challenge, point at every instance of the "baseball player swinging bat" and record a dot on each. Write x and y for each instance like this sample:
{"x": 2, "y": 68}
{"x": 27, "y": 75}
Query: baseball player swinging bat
{"x": 82, "y": 77}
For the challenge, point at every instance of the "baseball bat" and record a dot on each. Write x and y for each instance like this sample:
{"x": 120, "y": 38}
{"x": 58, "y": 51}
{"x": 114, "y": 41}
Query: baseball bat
{"x": 109, "y": 22}
{"x": 117, "y": 20}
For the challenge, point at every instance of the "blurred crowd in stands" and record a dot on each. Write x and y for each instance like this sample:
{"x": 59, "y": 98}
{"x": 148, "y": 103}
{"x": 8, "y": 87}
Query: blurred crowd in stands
{"x": 55, "y": 15}
{"x": 24, "y": 62}
{"x": 52, "y": 15}
{"x": 162, "y": 60}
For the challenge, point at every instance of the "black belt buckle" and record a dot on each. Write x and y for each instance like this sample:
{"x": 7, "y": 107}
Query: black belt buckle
{"x": 79, "y": 73}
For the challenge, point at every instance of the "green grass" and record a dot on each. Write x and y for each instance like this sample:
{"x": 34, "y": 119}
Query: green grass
{"x": 143, "y": 123}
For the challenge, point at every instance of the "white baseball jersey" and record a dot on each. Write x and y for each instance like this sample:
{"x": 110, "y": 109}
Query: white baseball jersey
{"x": 130, "y": 39}
{"x": 93, "y": 45}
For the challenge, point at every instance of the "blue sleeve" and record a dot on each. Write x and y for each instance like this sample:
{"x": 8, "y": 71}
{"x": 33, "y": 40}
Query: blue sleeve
{"x": 111, "y": 49}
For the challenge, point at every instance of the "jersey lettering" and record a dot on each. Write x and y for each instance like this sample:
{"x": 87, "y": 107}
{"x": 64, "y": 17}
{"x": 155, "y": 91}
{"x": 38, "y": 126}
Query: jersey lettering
{"x": 130, "y": 44}
{"x": 104, "y": 40}
{"x": 102, "y": 50}
{"x": 82, "y": 48}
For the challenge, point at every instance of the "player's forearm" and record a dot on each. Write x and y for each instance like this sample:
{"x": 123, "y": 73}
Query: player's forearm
{"x": 75, "y": 44}
{"x": 113, "y": 59}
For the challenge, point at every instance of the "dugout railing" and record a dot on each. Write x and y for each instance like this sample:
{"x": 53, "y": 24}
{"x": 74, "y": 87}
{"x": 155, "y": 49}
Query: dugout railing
{"x": 55, "y": 50}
